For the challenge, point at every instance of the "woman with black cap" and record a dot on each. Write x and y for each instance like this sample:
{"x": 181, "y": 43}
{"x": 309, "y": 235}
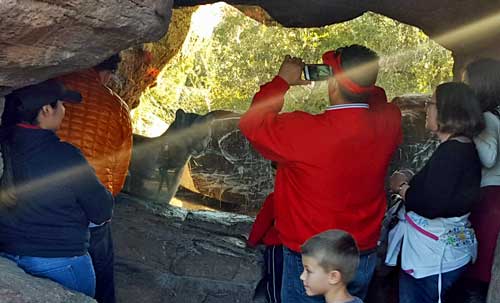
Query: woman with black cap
{"x": 49, "y": 193}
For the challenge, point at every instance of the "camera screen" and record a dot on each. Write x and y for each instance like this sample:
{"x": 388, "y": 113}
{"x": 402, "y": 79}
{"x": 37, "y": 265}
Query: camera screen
{"x": 317, "y": 72}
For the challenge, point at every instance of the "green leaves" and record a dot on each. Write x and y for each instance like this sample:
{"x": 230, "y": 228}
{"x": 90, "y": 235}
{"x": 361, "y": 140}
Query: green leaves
{"x": 224, "y": 72}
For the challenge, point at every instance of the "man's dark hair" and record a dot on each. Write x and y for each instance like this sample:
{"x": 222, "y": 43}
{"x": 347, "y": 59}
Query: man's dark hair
{"x": 334, "y": 249}
{"x": 483, "y": 76}
{"x": 458, "y": 110}
{"x": 110, "y": 64}
{"x": 361, "y": 66}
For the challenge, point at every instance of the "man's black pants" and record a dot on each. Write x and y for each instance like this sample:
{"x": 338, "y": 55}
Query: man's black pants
{"x": 101, "y": 251}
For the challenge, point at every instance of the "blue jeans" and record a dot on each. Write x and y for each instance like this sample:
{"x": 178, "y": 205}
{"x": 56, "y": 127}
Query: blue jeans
{"x": 75, "y": 273}
{"x": 425, "y": 290}
{"x": 293, "y": 290}
{"x": 359, "y": 285}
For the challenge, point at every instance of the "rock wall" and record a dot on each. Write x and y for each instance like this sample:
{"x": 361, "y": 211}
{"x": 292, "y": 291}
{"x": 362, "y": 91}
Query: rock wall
{"x": 418, "y": 143}
{"x": 230, "y": 170}
{"x": 143, "y": 63}
{"x": 168, "y": 254}
{"x": 43, "y": 39}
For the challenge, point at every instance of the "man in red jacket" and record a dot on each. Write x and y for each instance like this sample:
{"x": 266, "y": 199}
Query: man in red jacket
{"x": 331, "y": 166}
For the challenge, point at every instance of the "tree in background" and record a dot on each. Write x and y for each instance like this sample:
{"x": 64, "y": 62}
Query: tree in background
{"x": 223, "y": 69}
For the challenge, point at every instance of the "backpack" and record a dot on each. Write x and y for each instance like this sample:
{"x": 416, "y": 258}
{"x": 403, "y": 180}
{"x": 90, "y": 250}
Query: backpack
{"x": 390, "y": 220}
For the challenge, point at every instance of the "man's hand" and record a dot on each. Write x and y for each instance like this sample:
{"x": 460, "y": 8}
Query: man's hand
{"x": 291, "y": 70}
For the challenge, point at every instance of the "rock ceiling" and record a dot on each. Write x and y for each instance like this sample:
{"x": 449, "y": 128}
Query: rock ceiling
{"x": 42, "y": 39}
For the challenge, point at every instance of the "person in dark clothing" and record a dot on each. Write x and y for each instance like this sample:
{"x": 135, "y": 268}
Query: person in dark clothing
{"x": 437, "y": 239}
{"x": 264, "y": 232}
{"x": 108, "y": 151}
{"x": 49, "y": 192}
{"x": 483, "y": 76}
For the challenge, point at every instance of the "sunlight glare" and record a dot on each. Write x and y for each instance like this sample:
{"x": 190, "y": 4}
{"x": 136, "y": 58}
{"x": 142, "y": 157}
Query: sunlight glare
{"x": 466, "y": 34}
{"x": 150, "y": 125}
{"x": 206, "y": 18}
{"x": 471, "y": 33}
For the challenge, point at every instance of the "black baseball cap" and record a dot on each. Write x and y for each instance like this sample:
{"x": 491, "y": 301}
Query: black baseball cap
{"x": 36, "y": 96}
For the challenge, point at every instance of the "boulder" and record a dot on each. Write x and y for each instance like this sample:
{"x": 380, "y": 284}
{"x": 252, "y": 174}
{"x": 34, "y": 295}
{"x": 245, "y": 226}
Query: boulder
{"x": 16, "y": 286}
{"x": 43, "y": 39}
{"x": 230, "y": 170}
{"x": 418, "y": 143}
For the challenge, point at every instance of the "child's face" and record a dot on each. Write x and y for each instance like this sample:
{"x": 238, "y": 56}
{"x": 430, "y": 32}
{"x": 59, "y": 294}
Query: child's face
{"x": 314, "y": 277}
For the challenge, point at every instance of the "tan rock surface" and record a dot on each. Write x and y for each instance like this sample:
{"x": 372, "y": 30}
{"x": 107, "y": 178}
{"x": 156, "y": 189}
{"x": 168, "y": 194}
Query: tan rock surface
{"x": 41, "y": 39}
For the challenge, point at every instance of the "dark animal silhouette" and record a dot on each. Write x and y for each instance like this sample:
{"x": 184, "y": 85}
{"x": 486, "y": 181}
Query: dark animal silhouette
{"x": 157, "y": 163}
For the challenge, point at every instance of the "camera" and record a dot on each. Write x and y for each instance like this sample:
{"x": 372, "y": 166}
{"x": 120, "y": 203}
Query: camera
{"x": 317, "y": 72}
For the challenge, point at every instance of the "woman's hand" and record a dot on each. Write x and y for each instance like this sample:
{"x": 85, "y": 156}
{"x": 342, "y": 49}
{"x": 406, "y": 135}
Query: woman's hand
{"x": 399, "y": 178}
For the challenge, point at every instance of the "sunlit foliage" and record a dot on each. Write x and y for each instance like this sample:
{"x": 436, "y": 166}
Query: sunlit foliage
{"x": 224, "y": 70}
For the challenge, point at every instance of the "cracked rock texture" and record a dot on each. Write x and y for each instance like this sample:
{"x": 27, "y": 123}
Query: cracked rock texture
{"x": 168, "y": 254}
{"x": 42, "y": 39}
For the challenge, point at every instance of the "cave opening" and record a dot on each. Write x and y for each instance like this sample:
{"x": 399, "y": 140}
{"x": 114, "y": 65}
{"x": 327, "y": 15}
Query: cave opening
{"x": 224, "y": 58}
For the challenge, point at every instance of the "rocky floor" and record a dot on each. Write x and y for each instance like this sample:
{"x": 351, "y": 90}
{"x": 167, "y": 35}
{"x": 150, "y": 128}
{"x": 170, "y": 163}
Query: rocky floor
{"x": 170, "y": 254}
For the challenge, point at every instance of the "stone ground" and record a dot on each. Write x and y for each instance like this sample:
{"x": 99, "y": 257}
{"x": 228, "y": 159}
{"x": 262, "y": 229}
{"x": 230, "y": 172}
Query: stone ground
{"x": 169, "y": 254}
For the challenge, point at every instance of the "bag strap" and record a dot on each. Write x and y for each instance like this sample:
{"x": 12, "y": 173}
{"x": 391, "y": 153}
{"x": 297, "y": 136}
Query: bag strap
{"x": 462, "y": 139}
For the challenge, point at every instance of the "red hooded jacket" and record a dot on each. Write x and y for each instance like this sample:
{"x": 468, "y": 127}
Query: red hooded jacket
{"x": 263, "y": 230}
{"x": 331, "y": 166}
